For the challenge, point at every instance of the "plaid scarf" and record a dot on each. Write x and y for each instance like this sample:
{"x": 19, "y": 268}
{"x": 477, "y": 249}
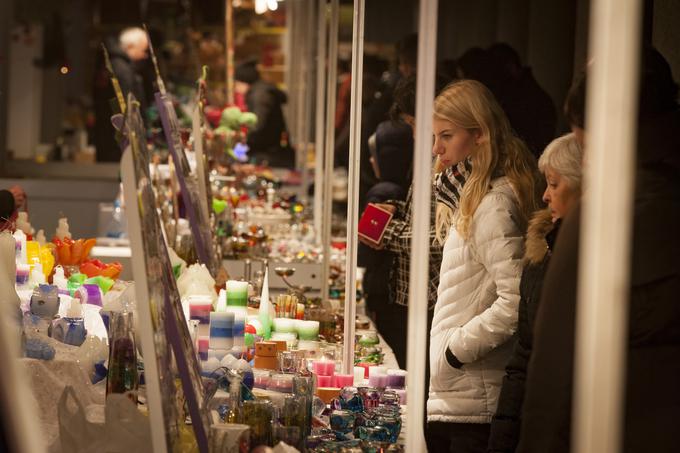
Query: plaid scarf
{"x": 449, "y": 183}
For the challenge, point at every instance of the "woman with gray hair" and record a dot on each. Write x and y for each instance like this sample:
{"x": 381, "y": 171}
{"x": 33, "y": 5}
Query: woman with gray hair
{"x": 561, "y": 164}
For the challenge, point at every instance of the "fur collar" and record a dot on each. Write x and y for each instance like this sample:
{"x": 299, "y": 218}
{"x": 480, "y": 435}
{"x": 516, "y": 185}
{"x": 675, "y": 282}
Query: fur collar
{"x": 537, "y": 246}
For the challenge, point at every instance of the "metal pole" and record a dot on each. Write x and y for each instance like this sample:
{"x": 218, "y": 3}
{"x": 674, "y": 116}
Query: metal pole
{"x": 229, "y": 49}
{"x": 353, "y": 186}
{"x": 420, "y": 246}
{"x": 604, "y": 263}
{"x": 330, "y": 146}
{"x": 320, "y": 112}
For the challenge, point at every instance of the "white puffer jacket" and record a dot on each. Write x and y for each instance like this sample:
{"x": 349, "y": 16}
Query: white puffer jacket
{"x": 476, "y": 310}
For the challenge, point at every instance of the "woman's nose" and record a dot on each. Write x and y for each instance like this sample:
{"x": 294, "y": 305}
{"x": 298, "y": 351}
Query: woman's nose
{"x": 436, "y": 149}
{"x": 546, "y": 195}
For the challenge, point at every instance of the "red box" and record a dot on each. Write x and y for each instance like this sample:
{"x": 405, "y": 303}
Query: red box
{"x": 373, "y": 222}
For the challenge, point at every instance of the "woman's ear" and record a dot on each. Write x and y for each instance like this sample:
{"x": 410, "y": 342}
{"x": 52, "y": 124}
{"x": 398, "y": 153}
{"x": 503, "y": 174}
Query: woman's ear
{"x": 479, "y": 137}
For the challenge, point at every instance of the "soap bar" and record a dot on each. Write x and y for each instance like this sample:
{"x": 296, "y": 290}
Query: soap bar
{"x": 265, "y": 349}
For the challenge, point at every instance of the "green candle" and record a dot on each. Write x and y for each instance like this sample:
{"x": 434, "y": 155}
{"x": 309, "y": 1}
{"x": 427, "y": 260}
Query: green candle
{"x": 237, "y": 293}
{"x": 308, "y": 330}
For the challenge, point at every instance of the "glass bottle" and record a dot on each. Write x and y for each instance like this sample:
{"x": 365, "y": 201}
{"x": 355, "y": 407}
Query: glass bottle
{"x": 122, "y": 376}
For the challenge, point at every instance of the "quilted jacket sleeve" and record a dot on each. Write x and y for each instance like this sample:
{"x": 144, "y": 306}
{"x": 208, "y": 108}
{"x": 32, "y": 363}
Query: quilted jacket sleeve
{"x": 497, "y": 242}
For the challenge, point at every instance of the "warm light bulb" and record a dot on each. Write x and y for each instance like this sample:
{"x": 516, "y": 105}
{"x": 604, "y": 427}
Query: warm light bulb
{"x": 64, "y": 70}
{"x": 260, "y": 6}
{"x": 272, "y": 4}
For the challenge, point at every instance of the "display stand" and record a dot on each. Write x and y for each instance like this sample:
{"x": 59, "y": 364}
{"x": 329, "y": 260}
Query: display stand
{"x": 329, "y": 148}
{"x": 604, "y": 261}
{"x": 320, "y": 112}
{"x": 202, "y": 174}
{"x": 419, "y": 269}
{"x": 353, "y": 186}
{"x": 162, "y": 327}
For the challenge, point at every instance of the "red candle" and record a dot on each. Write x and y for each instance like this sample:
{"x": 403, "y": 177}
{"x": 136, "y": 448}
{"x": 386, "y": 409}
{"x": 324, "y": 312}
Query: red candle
{"x": 323, "y": 367}
{"x": 324, "y": 381}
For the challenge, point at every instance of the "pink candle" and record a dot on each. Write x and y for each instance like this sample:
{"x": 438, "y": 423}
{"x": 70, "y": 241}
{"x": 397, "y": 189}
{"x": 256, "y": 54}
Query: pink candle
{"x": 402, "y": 396}
{"x": 203, "y": 346}
{"x": 324, "y": 367}
{"x": 324, "y": 381}
{"x": 378, "y": 381}
{"x": 343, "y": 380}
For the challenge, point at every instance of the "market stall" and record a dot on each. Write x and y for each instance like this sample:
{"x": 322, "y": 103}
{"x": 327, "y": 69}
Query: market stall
{"x": 225, "y": 320}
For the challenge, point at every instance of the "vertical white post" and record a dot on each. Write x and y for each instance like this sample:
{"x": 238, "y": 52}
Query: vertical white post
{"x": 306, "y": 116}
{"x": 419, "y": 272}
{"x": 602, "y": 315}
{"x": 329, "y": 146}
{"x": 353, "y": 186}
{"x": 320, "y": 112}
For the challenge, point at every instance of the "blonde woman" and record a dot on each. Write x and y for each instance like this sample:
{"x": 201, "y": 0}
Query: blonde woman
{"x": 485, "y": 196}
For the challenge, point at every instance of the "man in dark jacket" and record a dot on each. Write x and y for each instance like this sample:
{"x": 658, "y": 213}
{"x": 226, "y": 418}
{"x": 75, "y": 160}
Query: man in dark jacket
{"x": 652, "y": 394}
{"x": 269, "y": 139}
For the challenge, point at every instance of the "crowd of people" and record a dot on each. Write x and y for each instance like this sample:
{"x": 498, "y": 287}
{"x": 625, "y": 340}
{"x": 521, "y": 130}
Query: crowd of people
{"x": 504, "y": 241}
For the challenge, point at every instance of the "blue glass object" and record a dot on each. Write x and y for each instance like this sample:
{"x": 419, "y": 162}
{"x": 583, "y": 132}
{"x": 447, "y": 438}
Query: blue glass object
{"x": 374, "y": 433}
{"x": 342, "y": 421}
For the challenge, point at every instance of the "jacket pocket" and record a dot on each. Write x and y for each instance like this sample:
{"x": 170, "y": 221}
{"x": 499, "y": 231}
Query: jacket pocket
{"x": 444, "y": 377}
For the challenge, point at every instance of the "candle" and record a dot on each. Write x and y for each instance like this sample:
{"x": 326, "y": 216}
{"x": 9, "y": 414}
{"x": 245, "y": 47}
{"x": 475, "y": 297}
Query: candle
{"x": 308, "y": 330}
{"x": 359, "y": 373}
{"x": 366, "y": 367}
{"x": 238, "y": 331}
{"x": 221, "y": 330}
{"x": 307, "y": 345}
{"x": 375, "y": 370}
{"x": 203, "y": 346}
{"x": 281, "y": 383}
{"x": 199, "y": 310}
{"x": 284, "y": 325}
{"x": 343, "y": 380}
{"x": 23, "y": 273}
{"x": 219, "y": 354}
{"x": 288, "y": 337}
{"x": 402, "y": 395}
{"x": 378, "y": 381}
{"x": 396, "y": 379}
{"x": 324, "y": 381}
{"x": 324, "y": 367}
{"x": 262, "y": 378}
{"x": 237, "y": 293}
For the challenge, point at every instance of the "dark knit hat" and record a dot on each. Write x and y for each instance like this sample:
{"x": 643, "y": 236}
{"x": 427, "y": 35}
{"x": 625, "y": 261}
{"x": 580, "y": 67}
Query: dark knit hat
{"x": 246, "y": 72}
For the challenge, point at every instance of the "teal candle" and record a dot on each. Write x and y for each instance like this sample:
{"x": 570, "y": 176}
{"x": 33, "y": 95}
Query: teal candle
{"x": 237, "y": 293}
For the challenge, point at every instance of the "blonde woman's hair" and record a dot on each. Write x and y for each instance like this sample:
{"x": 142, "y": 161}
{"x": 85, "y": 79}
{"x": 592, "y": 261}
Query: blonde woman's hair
{"x": 470, "y": 105}
{"x": 564, "y": 156}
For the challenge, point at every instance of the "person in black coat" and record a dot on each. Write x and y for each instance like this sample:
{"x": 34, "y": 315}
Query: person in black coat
{"x": 129, "y": 56}
{"x": 528, "y": 106}
{"x": 269, "y": 139}
{"x": 652, "y": 369}
{"x": 561, "y": 165}
{"x": 391, "y": 150}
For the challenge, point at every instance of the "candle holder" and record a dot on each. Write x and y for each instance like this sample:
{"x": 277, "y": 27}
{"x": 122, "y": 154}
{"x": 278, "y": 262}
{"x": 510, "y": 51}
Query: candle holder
{"x": 297, "y": 290}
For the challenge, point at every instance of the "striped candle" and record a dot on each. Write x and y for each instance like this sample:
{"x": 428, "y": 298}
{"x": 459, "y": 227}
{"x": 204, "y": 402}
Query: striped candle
{"x": 221, "y": 330}
{"x": 237, "y": 293}
{"x": 203, "y": 346}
